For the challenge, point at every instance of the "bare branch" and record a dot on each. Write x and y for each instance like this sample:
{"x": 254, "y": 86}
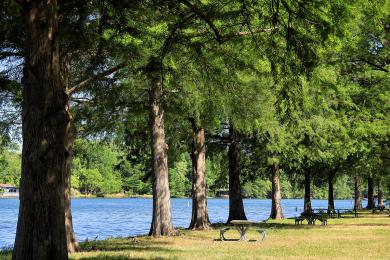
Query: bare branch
{"x": 95, "y": 78}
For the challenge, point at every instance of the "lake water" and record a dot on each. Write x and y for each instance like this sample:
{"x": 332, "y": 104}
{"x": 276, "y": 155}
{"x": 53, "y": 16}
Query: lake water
{"x": 102, "y": 218}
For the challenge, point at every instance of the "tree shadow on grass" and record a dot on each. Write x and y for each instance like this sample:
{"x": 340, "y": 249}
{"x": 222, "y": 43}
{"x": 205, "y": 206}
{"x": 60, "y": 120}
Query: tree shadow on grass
{"x": 104, "y": 247}
{"x": 369, "y": 225}
{"x": 265, "y": 225}
{"x": 120, "y": 257}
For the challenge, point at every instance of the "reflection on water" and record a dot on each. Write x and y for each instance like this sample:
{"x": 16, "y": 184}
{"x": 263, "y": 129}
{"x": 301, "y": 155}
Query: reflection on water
{"x": 102, "y": 218}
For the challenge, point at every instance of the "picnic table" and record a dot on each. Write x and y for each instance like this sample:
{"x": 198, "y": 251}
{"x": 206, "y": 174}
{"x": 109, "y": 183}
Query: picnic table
{"x": 335, "y": 212}
{"x": 380, "y": 209}
{"x": 242, "y": 227}
{"x": 311, "y": 218}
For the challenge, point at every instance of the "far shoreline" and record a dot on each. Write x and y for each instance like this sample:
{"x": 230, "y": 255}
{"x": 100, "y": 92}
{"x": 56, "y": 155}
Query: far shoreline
{"x": 148, "y": 196}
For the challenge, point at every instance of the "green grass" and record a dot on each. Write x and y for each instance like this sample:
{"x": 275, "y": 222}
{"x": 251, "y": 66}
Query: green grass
{"x": 366, "y": 237}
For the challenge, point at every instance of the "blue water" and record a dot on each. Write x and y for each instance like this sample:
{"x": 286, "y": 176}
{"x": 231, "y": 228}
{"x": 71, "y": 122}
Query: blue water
{"x": 102, "y": 218}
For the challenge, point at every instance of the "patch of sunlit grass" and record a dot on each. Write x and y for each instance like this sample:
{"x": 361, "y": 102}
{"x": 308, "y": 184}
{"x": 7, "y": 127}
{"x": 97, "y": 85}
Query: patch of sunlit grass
{"x": 5, "y": 253}
{"x": 344, "y": 238}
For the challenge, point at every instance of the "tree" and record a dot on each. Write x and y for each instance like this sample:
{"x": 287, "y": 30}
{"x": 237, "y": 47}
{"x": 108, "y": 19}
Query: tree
{"x": 200, "y": 218}
{"x": 370, "y": 193}
{"x": 41, "y": 230}
{"x": 276, "y": 210}
{"x": 358, "y": 194}
{"x": 236, "y": 205}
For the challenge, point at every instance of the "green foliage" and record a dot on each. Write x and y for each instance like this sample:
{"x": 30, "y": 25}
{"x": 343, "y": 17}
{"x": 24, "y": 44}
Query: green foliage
{"x": 10, "y": 167}
{"x": 133, "y": 178}
{"x": 257, "y": 189}
{"x": 343, "y": 187}
{"x": 216, "y": 172}
{"x": 180, "y": 177}
{"x": 305, "y": 84}
{"x": 91, "y": 180}
{"x": 94, "y": 165}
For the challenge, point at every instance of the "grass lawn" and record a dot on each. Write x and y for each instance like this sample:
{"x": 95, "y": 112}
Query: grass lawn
{"x": 366, "y": 237}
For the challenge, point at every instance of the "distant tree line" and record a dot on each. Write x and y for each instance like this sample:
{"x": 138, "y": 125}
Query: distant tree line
{"x": 101, "y": 168}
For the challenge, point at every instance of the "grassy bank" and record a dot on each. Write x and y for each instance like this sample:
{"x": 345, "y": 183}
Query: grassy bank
{"x": 365, "y": 237}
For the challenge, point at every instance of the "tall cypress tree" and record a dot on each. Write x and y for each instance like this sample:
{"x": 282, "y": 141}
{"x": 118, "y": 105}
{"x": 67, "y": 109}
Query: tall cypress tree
{"x": 41, "y": 224}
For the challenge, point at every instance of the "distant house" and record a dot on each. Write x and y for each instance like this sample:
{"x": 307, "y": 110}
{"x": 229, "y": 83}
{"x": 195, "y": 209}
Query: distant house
{"x": 8, "y": 188}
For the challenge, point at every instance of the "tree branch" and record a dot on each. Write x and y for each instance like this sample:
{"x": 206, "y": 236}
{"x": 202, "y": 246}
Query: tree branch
{"x": 236, "y": 34}
{"x": 247, "y": 33}
{"x": 95, "y": 78}
{"x": 204, "y": 17}
{"x": 193, "y": 124}
{"x": 168, "y": 41}
{"x": 5, "y": 54}
{"x": 378, "y": 67}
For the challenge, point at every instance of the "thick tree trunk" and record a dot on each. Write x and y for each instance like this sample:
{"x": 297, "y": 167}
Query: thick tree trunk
{"x": 236, "y": 205}
{"x": 276, "y": 210}
{"x": 70, "y": 137}
{"x": 200, "y": 218}
{"x": 41, "y": 230}
{"x": 370, "y": 193}
{"x": 70, "y": 235}
{"x": 380, "y": 194}
{"x": 330, "y": 190}
{"x": 358, "y": 193}
{"x": 307, "y": 200}
{"x": 162, "y": 220}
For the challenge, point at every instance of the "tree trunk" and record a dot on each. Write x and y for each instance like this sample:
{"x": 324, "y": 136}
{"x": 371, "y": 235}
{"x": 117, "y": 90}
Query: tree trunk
{"x": 71, "y": 240}
{"x": 236, "y": 205}
{"x": 307, "y": 200}
{"x": 380, "y": 194}
{"x": 276, "y": 210}
{"x": 330, "y": 190}
{"x": 162, "y": 220}
{"x": 200, "y": 218}
{"x": 370, "y": 193}
{"x": 358, "y": 193}
{"x": 70, "y": 235}
{"x": 41, "y": 230}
